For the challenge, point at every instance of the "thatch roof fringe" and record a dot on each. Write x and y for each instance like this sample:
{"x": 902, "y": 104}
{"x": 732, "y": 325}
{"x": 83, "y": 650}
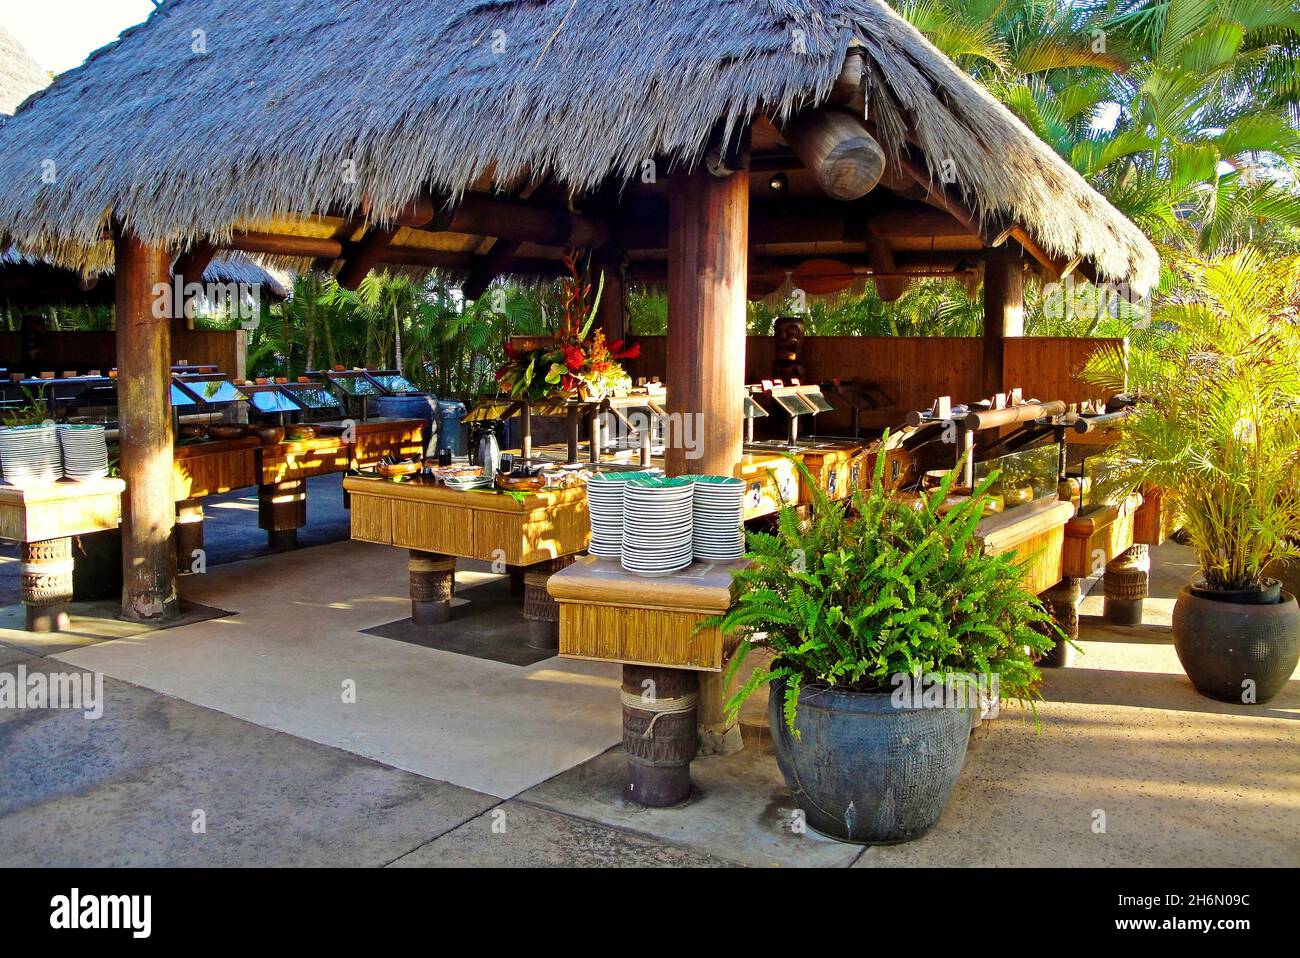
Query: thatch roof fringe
{"x": 305, "y": 106}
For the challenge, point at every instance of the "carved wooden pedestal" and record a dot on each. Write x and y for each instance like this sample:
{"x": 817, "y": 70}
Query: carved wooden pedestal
{"x": 47, "y": 584}
{"x": 660, "y": 736}
{"x": 282, "y": 511}
{"x": 1062, "y": 602}
{"x": 1125, "y": 586}
{"x": 44, "y": 520}
{"x": 433, "y": 583}
{"x": 540, "y": 610}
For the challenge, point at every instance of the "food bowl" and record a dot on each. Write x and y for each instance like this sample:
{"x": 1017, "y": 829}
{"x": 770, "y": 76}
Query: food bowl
{"x": 520, "y": 483}
{"x": 299, "y": 432}
{"x": 225, "y": 430}
{"x": 270, "y": 434}
{"x": 391, "y": 470}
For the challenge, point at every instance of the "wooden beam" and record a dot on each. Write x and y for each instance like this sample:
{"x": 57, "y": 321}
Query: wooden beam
{"x": 479, "y": 214}
{"x": 144, "y": 414}
{"x": 489, "y": 266}
{"x": 846, "y": 160}
{"x": 192, "y": 264}
{"x": 708, "y": 241}
{"x": 882, "y": 264}
{"x": 1004, "y": 313}
{"x": 278, "y": 244}
{"x": 360, "y": 258}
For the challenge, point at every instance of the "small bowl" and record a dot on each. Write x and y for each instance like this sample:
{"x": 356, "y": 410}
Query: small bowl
{"x": 300, "y": 432}
{"x": 270, "y": 434}
{"x": 227, "y": 431}
{"x": 392, "y": 470}
{"x": 520, "y": 483}
{"x": 192, "y": 432}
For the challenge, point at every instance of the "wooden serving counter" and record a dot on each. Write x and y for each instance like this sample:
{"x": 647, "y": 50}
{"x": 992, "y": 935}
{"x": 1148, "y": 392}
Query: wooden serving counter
{"x": 535, "y": 533}
{"x": 43, "y": 521}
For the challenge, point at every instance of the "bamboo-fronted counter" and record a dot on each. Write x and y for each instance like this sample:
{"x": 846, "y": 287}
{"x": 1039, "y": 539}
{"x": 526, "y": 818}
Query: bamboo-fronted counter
{"x": 649, "y": 624}
{"x": 283, "y": 468}
{"x": 536, "y": 532}
{"x": 1036, "y": 534}
{"x": 43, "y": 521}
{"x": 1097, "y": 535}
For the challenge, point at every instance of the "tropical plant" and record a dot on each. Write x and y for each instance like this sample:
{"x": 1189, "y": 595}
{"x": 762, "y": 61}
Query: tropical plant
{"x": 854, "y": 599}
{"x": 1218, "y": 427}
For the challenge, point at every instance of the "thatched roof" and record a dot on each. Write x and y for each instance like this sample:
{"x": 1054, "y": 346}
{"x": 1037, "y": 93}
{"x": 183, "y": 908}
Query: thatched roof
{"x": 28, "y": 282}
{"x": 292, "y": 96}
{"x": 20, "y": 75}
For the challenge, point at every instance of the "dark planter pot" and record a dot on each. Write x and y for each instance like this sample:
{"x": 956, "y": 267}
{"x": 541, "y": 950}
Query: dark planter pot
{"x": 1222, "y": 644}
{"x": 864, "y": 771}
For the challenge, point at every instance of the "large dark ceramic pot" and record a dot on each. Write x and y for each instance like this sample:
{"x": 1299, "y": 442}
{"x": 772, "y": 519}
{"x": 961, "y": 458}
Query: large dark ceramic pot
{"x": 865, "y": 771}
{"x": 1227, "y": 645}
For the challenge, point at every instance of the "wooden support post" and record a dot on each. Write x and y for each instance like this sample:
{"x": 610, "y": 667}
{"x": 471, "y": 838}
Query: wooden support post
{"x": 574, "y": 427}
{"x": 659, "y": 733}
{"x": 1062, "y": 603}
{"x": 47, "y": 584}
{"x": 433, "y": 583}
{"x": 540, "y": 610}
{"x": 1125, "y": 586}
{"x": 1004, "y": 313}
{"x": 708, "y": 240}
{"x": 282, "y": 511}
{"x": 526, "y": 431}
{"x": 719, "y": 735}
{"x": 613, "y": 303}
{"x": 189, "y": 533}
{"x": 144, "y": 410}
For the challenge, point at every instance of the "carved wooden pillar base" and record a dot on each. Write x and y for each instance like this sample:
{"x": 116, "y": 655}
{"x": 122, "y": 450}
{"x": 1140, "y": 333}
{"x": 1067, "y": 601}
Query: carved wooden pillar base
{"x": 1125, "y": 585}
{"x": 659, "y": 734}
{"x": 189, "y": 533}
{"x": 282, "y": 511}
{"x": 47, "y": 584}
{"x": 540, "y": 610}
{"x": 1062, "y": 602}
{"x": 433, "y": 582}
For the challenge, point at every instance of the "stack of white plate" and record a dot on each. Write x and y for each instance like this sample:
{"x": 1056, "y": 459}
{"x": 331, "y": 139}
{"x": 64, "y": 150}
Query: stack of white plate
{"x": 605, "y": 505}
{"x": 718, "y": 518}
{"x": 85, "y": 452}
{"x": 657, "y": 525}
{"x": 30, "y": 456}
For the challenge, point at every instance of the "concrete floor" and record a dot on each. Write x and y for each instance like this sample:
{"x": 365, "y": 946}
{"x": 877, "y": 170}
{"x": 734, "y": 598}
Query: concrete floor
{"x": 447, "y": 759}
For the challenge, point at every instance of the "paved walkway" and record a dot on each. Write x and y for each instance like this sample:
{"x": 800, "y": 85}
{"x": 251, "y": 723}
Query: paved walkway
{"x": 283, "y": 734}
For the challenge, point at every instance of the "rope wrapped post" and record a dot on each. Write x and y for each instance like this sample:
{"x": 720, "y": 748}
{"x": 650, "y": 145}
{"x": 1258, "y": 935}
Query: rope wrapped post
{"x": 433, "y": 582}
{"x": 47, "y": 584}
{"x": 189, "y": 533}
{"x": 1125, "y": 585}
{"x": 282, "y": 511}
{"x": 540, "y": 610}
{"x": 1062, "y": 603}
{"x": 660, "y": 736}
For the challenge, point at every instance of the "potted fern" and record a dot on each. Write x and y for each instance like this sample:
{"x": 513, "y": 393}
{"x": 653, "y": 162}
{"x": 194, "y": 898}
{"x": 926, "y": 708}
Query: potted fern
{"x": 889, "y": 629}
{"x": 1218, "y": 431}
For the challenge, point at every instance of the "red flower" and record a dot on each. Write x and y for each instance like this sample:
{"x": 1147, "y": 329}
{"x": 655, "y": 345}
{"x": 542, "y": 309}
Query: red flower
{"x": 510, "y": 351}
{"x": 631, "y": 352}
{"x": 574, "y": 358}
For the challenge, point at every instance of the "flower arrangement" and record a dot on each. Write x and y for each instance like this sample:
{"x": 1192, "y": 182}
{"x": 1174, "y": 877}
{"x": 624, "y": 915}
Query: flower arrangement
{"x": 576, "y": 361}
